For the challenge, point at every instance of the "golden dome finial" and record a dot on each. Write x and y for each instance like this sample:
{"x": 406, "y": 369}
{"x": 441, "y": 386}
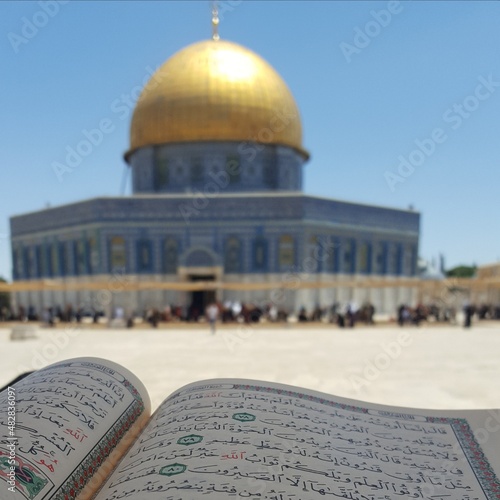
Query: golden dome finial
{"x": 215, "y": 21}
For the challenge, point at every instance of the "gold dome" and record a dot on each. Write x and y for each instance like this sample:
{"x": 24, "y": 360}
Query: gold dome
{"x": 216, "y": 91}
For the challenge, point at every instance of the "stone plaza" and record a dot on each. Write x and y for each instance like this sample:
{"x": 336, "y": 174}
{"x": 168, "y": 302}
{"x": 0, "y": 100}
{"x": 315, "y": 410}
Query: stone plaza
{"x": 428, "y": 367}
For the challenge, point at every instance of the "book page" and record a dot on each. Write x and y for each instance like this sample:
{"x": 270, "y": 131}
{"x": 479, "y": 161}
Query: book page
{"x": 61, "y": 424}
{"x": 229, "y": 439}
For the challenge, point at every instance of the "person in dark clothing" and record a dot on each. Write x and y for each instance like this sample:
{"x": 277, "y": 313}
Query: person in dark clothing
{"x": 469, "y": 312}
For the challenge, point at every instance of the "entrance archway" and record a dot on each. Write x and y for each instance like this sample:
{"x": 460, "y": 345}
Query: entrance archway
{"x": 200, "y": 299}
{"x": 200, "y": 264}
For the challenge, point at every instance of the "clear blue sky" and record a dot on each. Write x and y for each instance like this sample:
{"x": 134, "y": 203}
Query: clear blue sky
{"x": 433, "y": 70}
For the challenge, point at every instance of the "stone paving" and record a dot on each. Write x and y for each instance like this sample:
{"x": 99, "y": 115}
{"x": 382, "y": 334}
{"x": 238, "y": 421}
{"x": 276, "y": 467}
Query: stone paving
{"x": 444, "y": 367}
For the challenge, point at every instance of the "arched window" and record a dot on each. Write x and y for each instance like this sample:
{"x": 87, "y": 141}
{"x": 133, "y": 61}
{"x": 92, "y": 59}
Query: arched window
{"x": 233, "y": 168}
{"x": 17, "y": 262}
{"x": 259, "y": 254}
{"x": 170, "y": 255}
{"x": 349, "y": 263}
{"x": 380, "y": 258}
{"x": 364, "y": 258}
{"x": 270, "y": 174}
{"x": 400, "y": 255}
{"x": 161, "y": 171}
{"x": 392, "y": 258}
{"x": 80, "y": 257}
{"x": 54, "y": 259}
{"x": 286, "y": 251}
{"x": 412, "y": 252}
{"x": 270, "y": 169}
{"x": 117, "y": 254}
{"x": 28, "y": 263}
{"x": 329, "y": 247}
{"x": 39, "y": 262}
{"x": 47, "y": 258}
{"x": 63, "y": 259}
{"x": 199, "y": 257}
{"x": 93, "y": 260}
{"x": 232, "y": 255}
{"x": 144, "y": 256}
{"x": 311, "y": 264}
{"x": 196, "y": 171}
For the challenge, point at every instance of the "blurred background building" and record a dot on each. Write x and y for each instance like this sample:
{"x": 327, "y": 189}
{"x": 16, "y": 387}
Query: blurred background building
{"x": 216, "y": 160}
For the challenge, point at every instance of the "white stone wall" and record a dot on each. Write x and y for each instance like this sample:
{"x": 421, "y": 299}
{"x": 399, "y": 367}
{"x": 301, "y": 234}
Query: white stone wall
{"x": 286, "y": 295}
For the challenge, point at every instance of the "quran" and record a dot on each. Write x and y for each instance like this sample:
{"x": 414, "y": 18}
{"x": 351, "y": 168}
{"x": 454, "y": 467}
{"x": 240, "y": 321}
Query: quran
{"x": 82, "y": 429}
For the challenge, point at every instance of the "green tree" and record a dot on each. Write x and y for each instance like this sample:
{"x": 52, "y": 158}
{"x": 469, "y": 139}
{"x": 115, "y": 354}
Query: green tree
{"x": 461, "y": 272}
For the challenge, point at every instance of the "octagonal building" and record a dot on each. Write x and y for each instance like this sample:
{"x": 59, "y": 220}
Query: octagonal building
{"x": 216, "y": 158}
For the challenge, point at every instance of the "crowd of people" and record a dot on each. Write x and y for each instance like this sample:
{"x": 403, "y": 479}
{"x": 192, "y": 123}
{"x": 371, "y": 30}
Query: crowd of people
{"x": 407, "y": 315}
{"x": 50, "y": 315}
{"x": 225, "y": 312}
{"x": 343, "y": 315}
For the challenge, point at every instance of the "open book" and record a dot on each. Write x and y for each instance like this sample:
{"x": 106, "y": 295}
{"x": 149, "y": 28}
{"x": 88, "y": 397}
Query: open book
{"x": 82, "y": 429}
